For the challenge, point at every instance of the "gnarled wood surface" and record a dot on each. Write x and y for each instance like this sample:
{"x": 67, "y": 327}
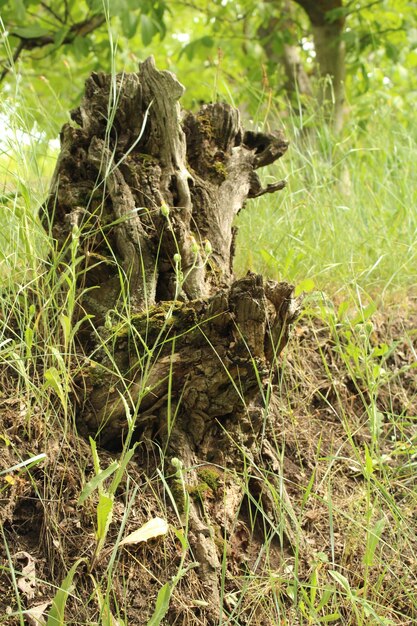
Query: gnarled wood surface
{"x": 132, "y": 151}
{"x": 148, "y": 193}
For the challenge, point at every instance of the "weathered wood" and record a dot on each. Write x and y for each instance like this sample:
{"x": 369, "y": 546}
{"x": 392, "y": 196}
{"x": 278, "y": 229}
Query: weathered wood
{"x": 150, "y": 194}
{"x": 147, "y": 194}
{"x": 133, "y": 153}
{"x": 211, "y": 356}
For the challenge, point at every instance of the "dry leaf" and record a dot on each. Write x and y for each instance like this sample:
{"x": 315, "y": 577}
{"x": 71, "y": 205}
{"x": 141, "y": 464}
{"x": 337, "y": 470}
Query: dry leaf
{"x": 27, "y": 580}
{"x": 34, "y": 615}
{"x": 154, "y": 528}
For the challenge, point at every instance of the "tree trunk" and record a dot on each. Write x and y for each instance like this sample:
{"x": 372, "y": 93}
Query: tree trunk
{"x": 144, "y": 197}
{"x": 298, "y": 83}
{"x": 330, "y": 53}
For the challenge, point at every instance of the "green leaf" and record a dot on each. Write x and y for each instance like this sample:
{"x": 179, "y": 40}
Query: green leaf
{"x": 29, "y": 339}
{"x": 81, "y": 47}
{"x": 95, "y": 5}
{"x": 162, "y": 605}
{"x": 364, "y": 314}
{"x": 96, "y": 459}
{"x": 19, "y": 10}
{"x": 381, "y": 350}
{"x": 60, "y": 35}
{"x": 374, "y": 537}
{"x": 104, "y": 515}
{"x": 195, "y": 46}
{"x": 124, "y": 461}
{"x": 179, "y": 533}
{"x": 392, "y": 51}
{"x": 326, "y": 595}
{"x": 329, "y": 618}
{"x": 117, "y": 7}
{"x": 369, "y": 466}
{"x": 305, "y": 286}
{"x": 129, "y": 22}
{"x": 31, "y": 32}
{"x": 97, "y": 481}
{"x": 268, "y": 257}
{"x": 335, "y": 14}
{"x": 56, "y": 614}
{"x": 148, "y": 29}
{"x": 53, "y": 381}
{"x": 66, "y": 327}
{"x": 342, "y": 580}
{"x": 342, "y": 310}
{"x": 365, "y": 77}
{"x": 76, "y": 326}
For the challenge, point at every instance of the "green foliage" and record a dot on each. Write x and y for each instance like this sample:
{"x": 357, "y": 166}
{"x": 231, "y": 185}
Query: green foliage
{"x": 234, "y": 47}
{"x": 105, "y": 504}
{"x": 58, "y": 44}
{"x": 56, "y": 613}
{"x": 162, "y": 604}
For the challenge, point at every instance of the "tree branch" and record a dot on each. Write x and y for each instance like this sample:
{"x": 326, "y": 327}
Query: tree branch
{"x": 16, "y": 55}
{"x": 80, "y": 29}
{"x": 52, "y": 12}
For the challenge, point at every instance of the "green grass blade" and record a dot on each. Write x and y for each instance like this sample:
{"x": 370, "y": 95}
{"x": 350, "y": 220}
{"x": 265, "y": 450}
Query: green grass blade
{"x": 97, "y": 481}
{"x": 56, "y": 614}
{"x": 162, "y": 605}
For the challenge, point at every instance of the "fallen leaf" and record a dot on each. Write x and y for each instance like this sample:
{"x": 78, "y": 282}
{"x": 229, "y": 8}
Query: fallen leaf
{"x": 154, "y": 528}
{"x": 34, "y": 615}
{"x": 27, "y": 580}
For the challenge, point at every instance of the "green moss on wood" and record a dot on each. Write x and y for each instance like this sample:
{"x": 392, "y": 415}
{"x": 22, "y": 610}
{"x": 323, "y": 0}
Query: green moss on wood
{"x": 177, "y": 493}
{"x": 220, "y": 168}
{"x": 209, "y": 477}
{"x": 199, "y": 492}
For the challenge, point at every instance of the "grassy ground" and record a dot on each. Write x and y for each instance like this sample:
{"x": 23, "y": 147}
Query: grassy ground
{"x": 334, "y": 540}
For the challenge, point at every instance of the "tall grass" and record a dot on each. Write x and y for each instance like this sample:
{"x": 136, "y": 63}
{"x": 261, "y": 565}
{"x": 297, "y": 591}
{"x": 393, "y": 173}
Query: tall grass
{"x": 347, "y": 217}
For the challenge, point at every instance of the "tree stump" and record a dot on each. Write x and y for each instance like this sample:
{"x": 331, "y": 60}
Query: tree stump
{"x": 146, "y": 195}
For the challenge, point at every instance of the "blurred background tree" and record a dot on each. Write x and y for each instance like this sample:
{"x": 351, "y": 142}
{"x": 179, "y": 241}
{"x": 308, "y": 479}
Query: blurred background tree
{"x": 334, "y": 51}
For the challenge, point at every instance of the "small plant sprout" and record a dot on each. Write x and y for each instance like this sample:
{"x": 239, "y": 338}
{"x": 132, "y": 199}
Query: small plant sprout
{"x": 165, "y": 210}
{"x": 207, "y": 247}
{"x": 195, "y": 248}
